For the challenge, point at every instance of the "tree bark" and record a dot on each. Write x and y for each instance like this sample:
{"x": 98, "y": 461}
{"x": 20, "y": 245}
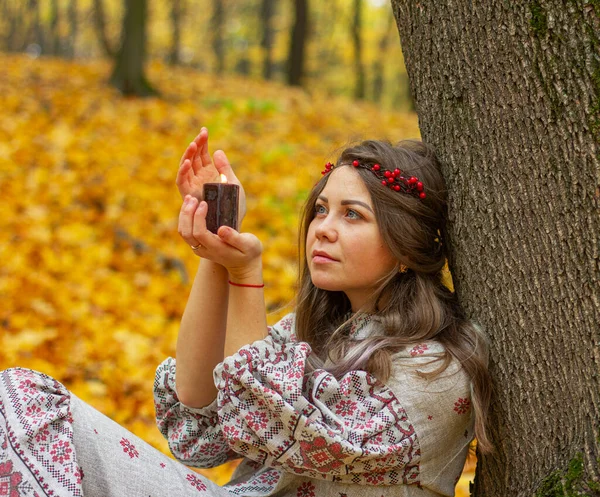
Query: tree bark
{"x": 359, "y": 69}
{"x": 298, "y": 43}
{"x": 508, "y": 93}
{"x": 128, "y": 73}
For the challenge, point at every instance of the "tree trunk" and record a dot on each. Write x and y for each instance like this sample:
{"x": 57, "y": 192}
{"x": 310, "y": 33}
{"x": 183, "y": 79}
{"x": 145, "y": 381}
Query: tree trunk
{"x": 73, "y": 30}
{"x": 359, "y": 69}
{"x": 128, "y": 73}
{"x": 174, "y": 57}
{"x": 379, "y": 64}
{"x": 100, "y": 27}
{"x": 266, "y": 14}
{"x": 218, "y": 18}
{"x": 509, "y": 95}
{"x": 54, "y": 37}
{"x": 298, "y": 43}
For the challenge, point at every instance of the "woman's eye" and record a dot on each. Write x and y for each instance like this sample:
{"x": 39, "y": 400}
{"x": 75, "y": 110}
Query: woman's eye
{"x": 353, "y": 214}
{"x": 320, "y": 209}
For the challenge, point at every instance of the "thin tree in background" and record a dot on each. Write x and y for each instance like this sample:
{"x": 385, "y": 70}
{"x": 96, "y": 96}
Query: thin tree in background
{"x": 128, "y": 73}
{"x": 73, "y": 29}
{"x": 512, "y": 108}
{"x": 380, "y": 60}
{"x": 266, "y": 14}
{"x": 298, "y": 43}
{"x": 54, "y": 35}
{"x": 174, "y": 56}
{"x": 217, "y": 23}
{"x": 100, "y": 27}
{"x": 359, "y": 69}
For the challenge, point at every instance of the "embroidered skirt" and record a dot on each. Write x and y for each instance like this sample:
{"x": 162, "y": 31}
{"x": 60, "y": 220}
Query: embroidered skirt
{"x": 54, "y": 444}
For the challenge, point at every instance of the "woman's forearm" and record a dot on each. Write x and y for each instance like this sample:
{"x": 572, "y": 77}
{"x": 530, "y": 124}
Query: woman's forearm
{"x": 201, "y": 339}
{"x": 247, "y": 318}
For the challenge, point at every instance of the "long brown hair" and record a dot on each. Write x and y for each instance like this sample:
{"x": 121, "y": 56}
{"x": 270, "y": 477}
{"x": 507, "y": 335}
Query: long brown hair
{"x": 411, "y": 306}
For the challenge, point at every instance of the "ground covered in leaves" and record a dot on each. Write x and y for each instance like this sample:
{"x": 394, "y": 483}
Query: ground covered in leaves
{"x": 94, "y": 276}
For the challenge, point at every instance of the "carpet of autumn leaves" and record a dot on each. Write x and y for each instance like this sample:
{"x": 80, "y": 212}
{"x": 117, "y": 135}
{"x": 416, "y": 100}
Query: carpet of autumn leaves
{"x": 94, "y": 276}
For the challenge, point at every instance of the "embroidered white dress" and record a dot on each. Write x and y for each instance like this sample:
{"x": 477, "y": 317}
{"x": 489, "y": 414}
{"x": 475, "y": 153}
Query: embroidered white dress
{"x": 298, "y": 436}
{"x": 318, "y": 436}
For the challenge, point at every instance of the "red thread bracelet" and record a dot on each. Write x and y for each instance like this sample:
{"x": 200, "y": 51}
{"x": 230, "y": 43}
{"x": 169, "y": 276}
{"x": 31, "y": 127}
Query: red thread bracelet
{"x": 250, "y": 286}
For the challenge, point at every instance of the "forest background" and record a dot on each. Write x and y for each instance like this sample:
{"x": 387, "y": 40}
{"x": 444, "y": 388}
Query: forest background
{"x": 94, "y": 276}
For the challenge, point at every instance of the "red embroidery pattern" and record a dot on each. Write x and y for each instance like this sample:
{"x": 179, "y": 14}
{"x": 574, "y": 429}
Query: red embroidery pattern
{"x": 270, "y": 407}
{"x": 9, "y": 480}
{"x": 418, "y": 349}
{"x": 307, "y": 489}
{"x": 129, "y": 448}
{"x": 196, "y": 482}
{"x": 461, "y": 406}
{"x": 36, "y": 430}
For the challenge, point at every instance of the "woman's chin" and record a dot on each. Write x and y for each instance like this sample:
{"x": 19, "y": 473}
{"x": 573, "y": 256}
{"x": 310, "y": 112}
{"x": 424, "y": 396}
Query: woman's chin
{"x": 321, "y": 284}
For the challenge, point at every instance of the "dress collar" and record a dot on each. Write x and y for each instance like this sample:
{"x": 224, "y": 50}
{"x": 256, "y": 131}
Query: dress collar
{"x": 361, "y": 326}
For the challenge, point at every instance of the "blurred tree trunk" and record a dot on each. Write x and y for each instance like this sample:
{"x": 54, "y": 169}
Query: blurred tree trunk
{"x": 73, "y": 30}
{"x": 128, "y": 73}
{"x": 266, "y": 14}
{"x": 298, "y": 43}
{"x": 379, "y": 64}
{"x": 38, "y": 31}
{"x": 54, "y": 36}
{"x": 174, "y": 56}
{"x": 218, "y": 18}
{"x": 513, "y": 109}
{"x": 359, "y": 69}
{"x": 100, "y": 27}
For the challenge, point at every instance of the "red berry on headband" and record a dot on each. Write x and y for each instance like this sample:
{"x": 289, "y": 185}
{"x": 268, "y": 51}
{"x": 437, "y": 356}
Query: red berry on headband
{"x": 397, "y": 188}
{"x": 355, "y": 163}
{"x": 420, "y": 186}
{"x": 384, "y": 182}
{"x": 387, "y": 174}
{"x": 376, "y": 167}
{"x": 422, "y": 195}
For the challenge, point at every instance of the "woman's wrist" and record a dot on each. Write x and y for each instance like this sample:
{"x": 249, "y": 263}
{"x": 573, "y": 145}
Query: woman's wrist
{"x": 247, "y": 275}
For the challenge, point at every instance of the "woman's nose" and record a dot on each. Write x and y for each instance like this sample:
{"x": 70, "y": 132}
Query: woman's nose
{"x": 326, "y": 229}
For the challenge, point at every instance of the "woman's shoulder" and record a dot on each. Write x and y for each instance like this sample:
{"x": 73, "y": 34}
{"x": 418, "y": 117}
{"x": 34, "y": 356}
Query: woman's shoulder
{"x": 426, "y": 357}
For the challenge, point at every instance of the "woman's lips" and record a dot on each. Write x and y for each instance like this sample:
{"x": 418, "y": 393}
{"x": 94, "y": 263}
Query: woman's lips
{"x": 321, "y": 259}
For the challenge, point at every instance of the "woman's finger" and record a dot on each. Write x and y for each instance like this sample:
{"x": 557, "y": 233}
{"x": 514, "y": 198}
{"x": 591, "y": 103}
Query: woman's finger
{"x": 224, "y": 167}
{"x": 201, "y": 157}
{"x": 182, "y": 178}
{"x": 189, "y": 152}
{"x": 186, "y": 217}
{"x": 204, "y": 154}
{"x": 199, "y": 231}
{"x": 246, "y": 243}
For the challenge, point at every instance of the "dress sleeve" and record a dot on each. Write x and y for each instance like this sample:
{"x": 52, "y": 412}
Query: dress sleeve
{"x": 194, "y": 435}
{"x": 351, "y": 430}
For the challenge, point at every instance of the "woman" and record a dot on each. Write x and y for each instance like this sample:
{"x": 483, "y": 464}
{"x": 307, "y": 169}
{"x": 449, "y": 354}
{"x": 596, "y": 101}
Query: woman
{"x": 374, "y": 386}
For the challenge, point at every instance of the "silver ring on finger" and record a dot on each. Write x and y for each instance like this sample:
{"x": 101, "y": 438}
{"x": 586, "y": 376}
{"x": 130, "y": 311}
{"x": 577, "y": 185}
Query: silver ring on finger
{"x": 196, "y": 247}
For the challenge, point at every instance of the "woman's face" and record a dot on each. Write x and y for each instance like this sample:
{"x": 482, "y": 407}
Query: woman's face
{"x": 344, "y": 228}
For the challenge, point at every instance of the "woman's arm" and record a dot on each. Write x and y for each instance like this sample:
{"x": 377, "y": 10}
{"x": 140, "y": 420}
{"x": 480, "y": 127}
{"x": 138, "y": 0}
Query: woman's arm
{"x": 202, "y": 342}
{"x": 201, "y": 338}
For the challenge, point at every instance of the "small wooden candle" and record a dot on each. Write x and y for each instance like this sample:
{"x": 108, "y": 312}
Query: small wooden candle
{"x": 222, "y": 199}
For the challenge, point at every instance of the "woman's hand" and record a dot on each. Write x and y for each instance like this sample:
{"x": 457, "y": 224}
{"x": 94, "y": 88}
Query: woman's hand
{"x": 197, "y": 168}
{"x": 240, "y": 253}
